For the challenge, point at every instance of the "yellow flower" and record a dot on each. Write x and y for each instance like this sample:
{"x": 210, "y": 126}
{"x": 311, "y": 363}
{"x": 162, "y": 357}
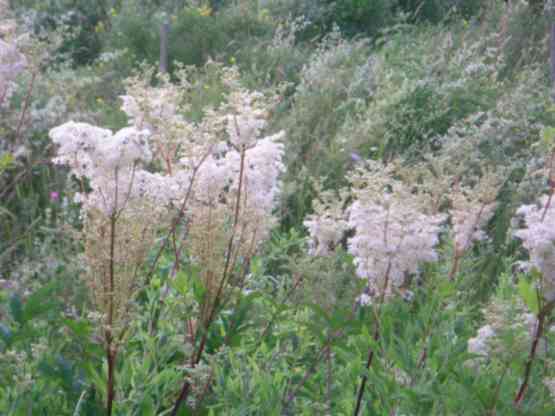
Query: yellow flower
{"x": 205, "y": 11}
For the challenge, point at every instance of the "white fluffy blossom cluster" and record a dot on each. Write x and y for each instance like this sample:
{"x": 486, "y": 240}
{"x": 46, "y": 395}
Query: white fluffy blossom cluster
{"x": 394, "y": 234}
{"x": 504, "y": 320}
{"x": 539, "y": 238}
{"x": 108, "y": 160}
{"x": 469, "y": 218}
{"x": 480, "y": 343}
{"x": 156, "y": 105}
{"x": 327, "y": 225}
{"x": 471, "y": 210}
{"x": 219, "y": 169}
{"x": 12, "y": 61}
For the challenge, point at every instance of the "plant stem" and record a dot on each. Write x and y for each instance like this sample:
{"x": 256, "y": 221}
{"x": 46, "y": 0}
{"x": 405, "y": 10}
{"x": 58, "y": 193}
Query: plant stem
{"x": 176, "y": 221}
{"x": 216, "y": 303}
{"x": 25, "y": 106}
{"x": 329, "y": 380}
{"x": 455, "y": 268}
{"x": 111, "y": 358}
{"x": 376, "y": 338}
{"x": 533, "y": 349}
{"x": 365, "y": 376}
{"x": 110, "y": 354}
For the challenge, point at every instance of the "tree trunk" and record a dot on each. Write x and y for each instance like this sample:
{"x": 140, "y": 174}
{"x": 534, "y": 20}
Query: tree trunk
{"x": 164, "y": 32}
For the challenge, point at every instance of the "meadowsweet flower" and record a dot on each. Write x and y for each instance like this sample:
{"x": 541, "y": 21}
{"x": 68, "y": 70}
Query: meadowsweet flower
{"x": 12, "y": 63}
{"x": 221, "y": 166}
{"x": 480, "y": 344}
{"x": 108, "y": 160}
{"x": 472, "y": 208}
{"x": 327, "y": 225}
{"x": 393, "y": 233}
{"x": 539, "y": 238}
{"x": 469, "y": 219}
{"x": 243, "y": 130}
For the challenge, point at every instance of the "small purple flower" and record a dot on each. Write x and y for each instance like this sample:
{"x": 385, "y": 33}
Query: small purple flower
{"x": 54, "y": 196}
{"x": 355, "y": 157}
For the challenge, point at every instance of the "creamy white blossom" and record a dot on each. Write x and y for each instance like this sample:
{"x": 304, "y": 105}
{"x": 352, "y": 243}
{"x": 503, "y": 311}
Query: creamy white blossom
{"x": 469, "y": 219}
{"x": 108, "y": 160}
{"x": 391, "y": 240}
{"x": 393, "y": 233}
{"x": 539, "y": 238}
{"x": 480, "y": 344}
{"x": 12, "y": 63}
{"x": 327, "y": 225}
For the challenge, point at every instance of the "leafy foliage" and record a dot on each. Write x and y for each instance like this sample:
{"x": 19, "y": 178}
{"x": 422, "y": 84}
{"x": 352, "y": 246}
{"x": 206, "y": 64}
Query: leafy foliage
{"x": 394, "y": 112}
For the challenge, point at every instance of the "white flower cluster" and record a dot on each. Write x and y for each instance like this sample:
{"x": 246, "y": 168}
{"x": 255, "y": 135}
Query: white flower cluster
{"x": 393, "y": 232}
{"x": 12, "y": 61}
{"x": 220, "y": 166}
{"x": 539, "y": 238}
{"x": 326, "y": 225}
{"x": 504, "y": 320}
{"x": 108, "y": 160}
{"x": 480, "y": 343}
{"x": 469, "y": 218}
{"x": 468, "y": 223}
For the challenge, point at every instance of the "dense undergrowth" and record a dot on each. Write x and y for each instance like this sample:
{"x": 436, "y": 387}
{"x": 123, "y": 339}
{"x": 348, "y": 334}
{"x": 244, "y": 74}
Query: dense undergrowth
{"x": 321, "y": 208}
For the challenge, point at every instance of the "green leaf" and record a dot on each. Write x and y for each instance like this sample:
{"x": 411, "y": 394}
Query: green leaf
{"x": 198, "y": 288}
{"x": 548, "y": 136}
{"x": 528, "y": 293}
{"x": 256, "y": 265}
{"x": 81, "y": 328}
{"x": 180, "y": 283}
{"x": 16, "y": 309}
{"x": 39, "y": 302}
{"x": 96, "y": 378}
{"x": 6, "y": 161}
{"x": 147, "y": 406}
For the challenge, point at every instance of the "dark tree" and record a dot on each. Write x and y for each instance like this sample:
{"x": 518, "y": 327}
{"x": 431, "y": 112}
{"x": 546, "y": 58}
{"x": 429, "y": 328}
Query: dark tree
{"x": 536, "y": 6}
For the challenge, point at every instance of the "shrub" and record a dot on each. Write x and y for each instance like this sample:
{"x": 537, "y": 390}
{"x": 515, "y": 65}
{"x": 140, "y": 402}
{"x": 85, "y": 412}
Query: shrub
{"x": 195, "y": 36}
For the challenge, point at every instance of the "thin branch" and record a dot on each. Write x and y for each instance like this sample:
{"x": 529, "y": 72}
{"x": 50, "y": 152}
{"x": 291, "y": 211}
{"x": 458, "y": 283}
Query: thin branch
{"x": 25, "y": 106}
{"x": 542, "y": 316}
{"x": 176, "y": 221}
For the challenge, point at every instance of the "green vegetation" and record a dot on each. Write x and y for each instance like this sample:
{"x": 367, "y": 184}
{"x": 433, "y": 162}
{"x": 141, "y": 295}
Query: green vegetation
{"x": 403, "y": 263}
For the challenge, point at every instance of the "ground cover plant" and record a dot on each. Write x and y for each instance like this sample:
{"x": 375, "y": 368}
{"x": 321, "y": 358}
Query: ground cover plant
{"x": 313, "y": 208}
